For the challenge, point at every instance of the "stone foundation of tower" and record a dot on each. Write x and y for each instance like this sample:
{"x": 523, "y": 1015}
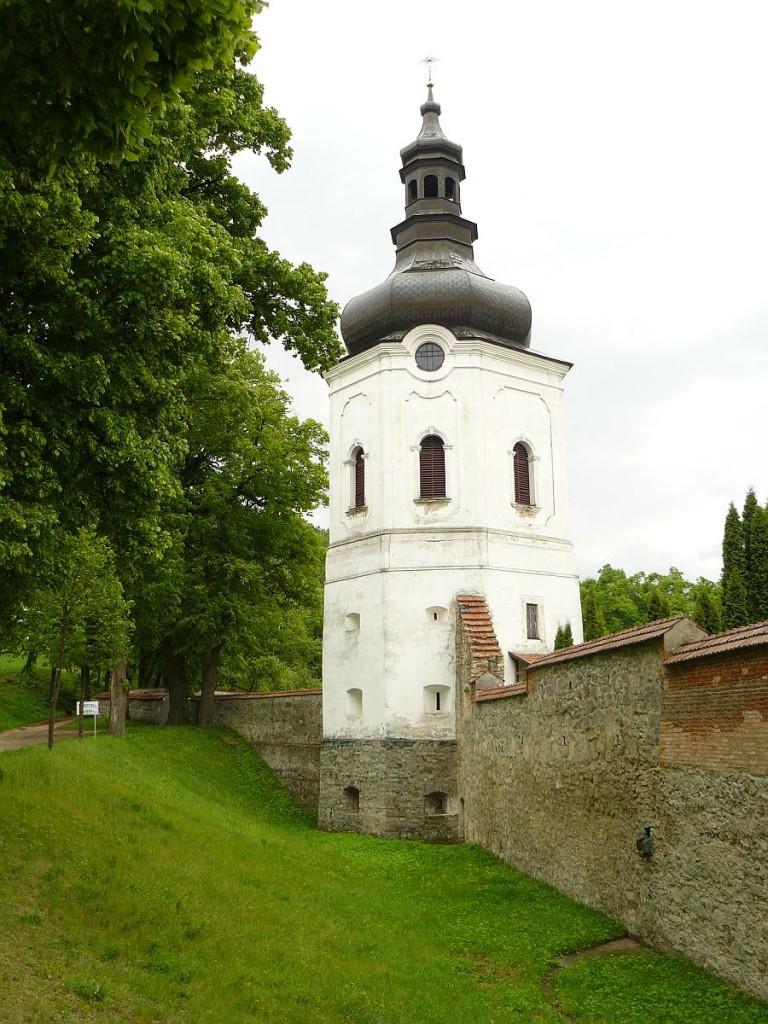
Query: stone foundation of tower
{"x": 396, "y": 788}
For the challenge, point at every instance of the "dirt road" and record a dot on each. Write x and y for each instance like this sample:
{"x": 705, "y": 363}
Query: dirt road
{"x": 28, "y": 735}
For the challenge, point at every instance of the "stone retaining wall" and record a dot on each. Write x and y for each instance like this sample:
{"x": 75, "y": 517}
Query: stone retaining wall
{"x": 285, "y": 728}
{"x": 559, "y": 781}
{"x": 143, "y": 706}
{"x": 710, "y": 877}
{"x": 399, "y": 788}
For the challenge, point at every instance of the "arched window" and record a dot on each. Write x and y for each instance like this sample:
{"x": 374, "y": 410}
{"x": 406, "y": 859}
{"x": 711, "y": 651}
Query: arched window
{"x": 450, "y": 189}
{"x": 359, "y": 457}
{"x": 432, "y": 467}
{"x": 430, "y": 186}
{"x": 522, "y": 473}
{"x": 352, "y": 799}
{"x": 412, "y": 191}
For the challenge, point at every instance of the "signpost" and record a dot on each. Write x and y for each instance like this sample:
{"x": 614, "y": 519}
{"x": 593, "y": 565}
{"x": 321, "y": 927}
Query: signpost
{"x": 90, "y": 710}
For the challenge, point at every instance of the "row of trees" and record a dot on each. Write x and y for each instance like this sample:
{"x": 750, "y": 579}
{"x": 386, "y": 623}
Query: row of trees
{"x": 153, "y": 484}
{"x": 613, "y": 601}
{"x": 745, "y": 564}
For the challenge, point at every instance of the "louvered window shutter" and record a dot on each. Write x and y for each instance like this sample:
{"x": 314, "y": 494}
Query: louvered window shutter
{"x": 432, "y": 467}
{"x": 359, "y": 479}
{"x": 522, "y": 472}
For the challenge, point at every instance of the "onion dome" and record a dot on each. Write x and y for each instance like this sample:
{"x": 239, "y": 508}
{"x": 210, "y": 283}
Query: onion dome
{"x": 435, "y": 279}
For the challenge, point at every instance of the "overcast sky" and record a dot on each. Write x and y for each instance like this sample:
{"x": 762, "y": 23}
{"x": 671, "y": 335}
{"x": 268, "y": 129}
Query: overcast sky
{"x": 617, "y": 168}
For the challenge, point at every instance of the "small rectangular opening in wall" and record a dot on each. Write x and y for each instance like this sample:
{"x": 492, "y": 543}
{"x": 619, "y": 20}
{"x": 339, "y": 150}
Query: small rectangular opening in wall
{"x": 532, "y": 621}
{"x": 437, "y": 700}
{"x": 352, "y": 799}
{"x": 436, "y": 803}
{"x": 437, "y": 614}
{"x": 354, "y": 702}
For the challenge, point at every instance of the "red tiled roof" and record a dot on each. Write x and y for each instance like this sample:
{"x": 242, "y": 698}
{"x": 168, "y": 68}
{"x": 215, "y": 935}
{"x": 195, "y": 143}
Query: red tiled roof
{"x": 136, "y": 695}
{"x": 258, "y": 694}
{"x": 737, "y": 639}
{"x": 527, "y": 659}
{"x": 497, "y": 692}
{"x": 625, "y": 638}
{"x": 159, "y": 694}
{"x": 478, "y": 626}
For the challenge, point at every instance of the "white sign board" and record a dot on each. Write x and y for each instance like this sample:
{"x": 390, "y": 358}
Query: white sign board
{"x": 90, "y": 708}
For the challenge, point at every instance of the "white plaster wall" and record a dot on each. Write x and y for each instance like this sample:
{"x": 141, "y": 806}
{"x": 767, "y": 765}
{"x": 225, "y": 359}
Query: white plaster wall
{"x": 400, "y": 556}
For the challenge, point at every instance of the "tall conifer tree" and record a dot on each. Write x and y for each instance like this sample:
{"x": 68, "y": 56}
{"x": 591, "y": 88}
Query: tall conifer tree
{"x": 594, "y": 620}
{"x": 751, "y": 510}
{"x": 734, "y": 589}
{"x": 658, "y": 605}
{"x": 564, "y": 636}
{"x": 706, "y": 612}
{"x": 757, "y": 575}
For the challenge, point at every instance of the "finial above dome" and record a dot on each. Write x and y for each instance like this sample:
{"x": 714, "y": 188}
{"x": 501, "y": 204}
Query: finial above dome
{"x": 435, "y": 279}
{"x": 430, "y": 111}
{"x": 429, "y": 60}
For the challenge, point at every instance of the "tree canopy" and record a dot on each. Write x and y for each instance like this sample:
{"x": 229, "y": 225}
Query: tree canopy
{"x": 89, "y": 77}
{"x": 745, "y": 564}
{"x": 613, "y": 601}
{"x": 130, "y": 265}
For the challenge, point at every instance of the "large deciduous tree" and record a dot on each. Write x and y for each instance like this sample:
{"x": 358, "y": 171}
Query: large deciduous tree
{"x": 129, "y": 258}
{"x": 250, "y": 473}
{"x": 89, "y": 77}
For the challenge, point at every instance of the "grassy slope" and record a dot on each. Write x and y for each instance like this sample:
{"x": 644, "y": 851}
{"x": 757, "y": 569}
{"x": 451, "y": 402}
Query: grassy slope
{"x": 167, "y": 877}
{"x": 26, "y": 700}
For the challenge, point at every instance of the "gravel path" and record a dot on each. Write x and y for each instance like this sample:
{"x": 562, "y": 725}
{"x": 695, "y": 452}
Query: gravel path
{"x": 28, "y": 735}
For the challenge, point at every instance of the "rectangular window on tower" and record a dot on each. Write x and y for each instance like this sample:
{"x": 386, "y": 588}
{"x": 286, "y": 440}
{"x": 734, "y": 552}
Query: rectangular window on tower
{"x": 532, "y": 621}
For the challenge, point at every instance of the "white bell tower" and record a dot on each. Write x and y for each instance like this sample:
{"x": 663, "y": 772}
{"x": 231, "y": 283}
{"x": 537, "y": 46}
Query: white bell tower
{"x": 447, "y": 470}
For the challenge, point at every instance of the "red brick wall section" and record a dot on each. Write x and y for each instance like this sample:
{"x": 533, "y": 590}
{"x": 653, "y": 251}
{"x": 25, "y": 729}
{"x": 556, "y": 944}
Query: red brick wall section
{"x": 715, "y": 713}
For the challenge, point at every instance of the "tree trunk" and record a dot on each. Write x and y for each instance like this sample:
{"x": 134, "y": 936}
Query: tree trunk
{"x": 178, "y": 690}
{"x": 53, "y": 697}
{"x": 118, "y": 699}
{"x": 83, "y": 676}
{"x": 208, "y": 686}
{"x": 149, "y": 677}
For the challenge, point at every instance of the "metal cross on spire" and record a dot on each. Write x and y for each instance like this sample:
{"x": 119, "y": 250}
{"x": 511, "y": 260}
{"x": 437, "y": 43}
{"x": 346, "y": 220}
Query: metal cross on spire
{"x": 429, "y": 60}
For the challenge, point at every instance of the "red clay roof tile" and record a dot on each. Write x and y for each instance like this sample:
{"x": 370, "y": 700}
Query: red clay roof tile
{"x": 625, "y": 638}
{"x": 476, "y": 617}
{"x": 755, "y": 635}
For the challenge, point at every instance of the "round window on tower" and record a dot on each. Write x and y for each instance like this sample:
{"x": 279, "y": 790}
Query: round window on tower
{"x": 429, "y": 356}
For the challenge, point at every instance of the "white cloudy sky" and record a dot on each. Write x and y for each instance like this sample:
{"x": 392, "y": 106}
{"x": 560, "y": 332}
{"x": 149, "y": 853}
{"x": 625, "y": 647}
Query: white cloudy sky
{"x": 617, "y": 167}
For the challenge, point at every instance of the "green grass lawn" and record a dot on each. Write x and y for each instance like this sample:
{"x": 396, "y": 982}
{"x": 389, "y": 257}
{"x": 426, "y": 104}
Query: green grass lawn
{"x": 167, "y": 877}
{"x": 24, "y": 699}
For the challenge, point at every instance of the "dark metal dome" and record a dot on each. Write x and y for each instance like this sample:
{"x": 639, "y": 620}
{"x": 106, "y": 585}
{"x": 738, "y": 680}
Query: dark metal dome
{"x": 465, "y": 301}
{"x": 435, "y": 279}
